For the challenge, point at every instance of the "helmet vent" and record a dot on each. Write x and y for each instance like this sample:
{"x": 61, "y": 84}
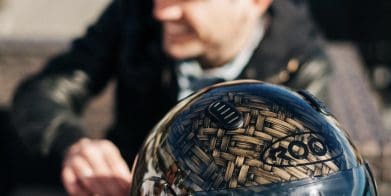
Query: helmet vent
{"x": 225, "y": 115}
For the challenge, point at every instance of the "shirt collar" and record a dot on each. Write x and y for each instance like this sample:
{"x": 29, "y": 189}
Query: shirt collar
{"x": 189, "y": 71}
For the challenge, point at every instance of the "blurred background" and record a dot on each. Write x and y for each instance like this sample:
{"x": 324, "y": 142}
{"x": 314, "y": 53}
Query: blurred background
{"x": 32, "y": 31}
{"x": 359, "y": 40}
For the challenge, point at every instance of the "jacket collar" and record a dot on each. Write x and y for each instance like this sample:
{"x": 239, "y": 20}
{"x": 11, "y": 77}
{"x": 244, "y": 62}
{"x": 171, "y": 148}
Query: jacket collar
{"x": 290, "y": 39}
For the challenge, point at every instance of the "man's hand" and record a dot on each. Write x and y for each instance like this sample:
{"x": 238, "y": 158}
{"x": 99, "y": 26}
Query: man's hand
{"x": 95, "y": 167}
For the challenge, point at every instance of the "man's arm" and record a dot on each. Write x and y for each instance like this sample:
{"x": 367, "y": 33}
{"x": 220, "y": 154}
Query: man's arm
{"x": 47, "y": 106}
{"x": 314, "y": 75}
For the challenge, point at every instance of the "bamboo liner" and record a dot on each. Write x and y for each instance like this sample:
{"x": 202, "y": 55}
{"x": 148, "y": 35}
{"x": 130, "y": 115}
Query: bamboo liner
{"x": 212, "y": 158}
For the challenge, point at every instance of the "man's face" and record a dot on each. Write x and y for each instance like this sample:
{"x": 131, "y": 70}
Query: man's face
{"x": 204, "y": 28}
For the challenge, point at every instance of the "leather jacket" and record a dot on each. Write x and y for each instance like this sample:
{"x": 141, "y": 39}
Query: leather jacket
{"x": 125, "y": 45}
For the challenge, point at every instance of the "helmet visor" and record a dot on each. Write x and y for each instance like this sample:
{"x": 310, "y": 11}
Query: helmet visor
{"x": 355, "y": 181}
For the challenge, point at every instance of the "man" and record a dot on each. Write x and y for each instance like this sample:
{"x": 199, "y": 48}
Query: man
{"x": 158, "y": 52}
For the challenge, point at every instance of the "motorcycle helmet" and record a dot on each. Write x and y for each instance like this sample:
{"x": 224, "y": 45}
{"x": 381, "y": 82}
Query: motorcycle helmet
{"x": 250, "y": 138}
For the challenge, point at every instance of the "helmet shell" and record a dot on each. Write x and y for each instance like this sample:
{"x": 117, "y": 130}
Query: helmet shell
{"x": 245, "y": 136}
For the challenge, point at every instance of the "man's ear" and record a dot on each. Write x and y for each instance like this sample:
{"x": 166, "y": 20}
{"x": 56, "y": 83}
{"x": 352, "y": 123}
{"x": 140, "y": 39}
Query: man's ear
{"x": 263, "y": 5}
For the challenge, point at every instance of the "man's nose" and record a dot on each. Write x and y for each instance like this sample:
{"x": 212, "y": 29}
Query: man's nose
{"x": 167, "y": 10}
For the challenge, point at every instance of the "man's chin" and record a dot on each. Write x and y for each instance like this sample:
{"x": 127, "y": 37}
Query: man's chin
{"x": 182, "y": 53}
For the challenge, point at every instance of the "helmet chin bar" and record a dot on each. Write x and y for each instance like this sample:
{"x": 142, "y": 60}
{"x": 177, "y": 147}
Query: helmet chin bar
{"x": 246, "y": 137}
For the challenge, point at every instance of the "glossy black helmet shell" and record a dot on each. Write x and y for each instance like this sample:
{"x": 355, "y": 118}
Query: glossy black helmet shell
{"x": 248, "y": 137}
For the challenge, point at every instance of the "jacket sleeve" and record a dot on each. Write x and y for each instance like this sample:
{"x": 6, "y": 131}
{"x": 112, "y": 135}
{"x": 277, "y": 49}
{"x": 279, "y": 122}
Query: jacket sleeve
{"x": 47, "y": 106}
{"x": 315, "y": 75}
